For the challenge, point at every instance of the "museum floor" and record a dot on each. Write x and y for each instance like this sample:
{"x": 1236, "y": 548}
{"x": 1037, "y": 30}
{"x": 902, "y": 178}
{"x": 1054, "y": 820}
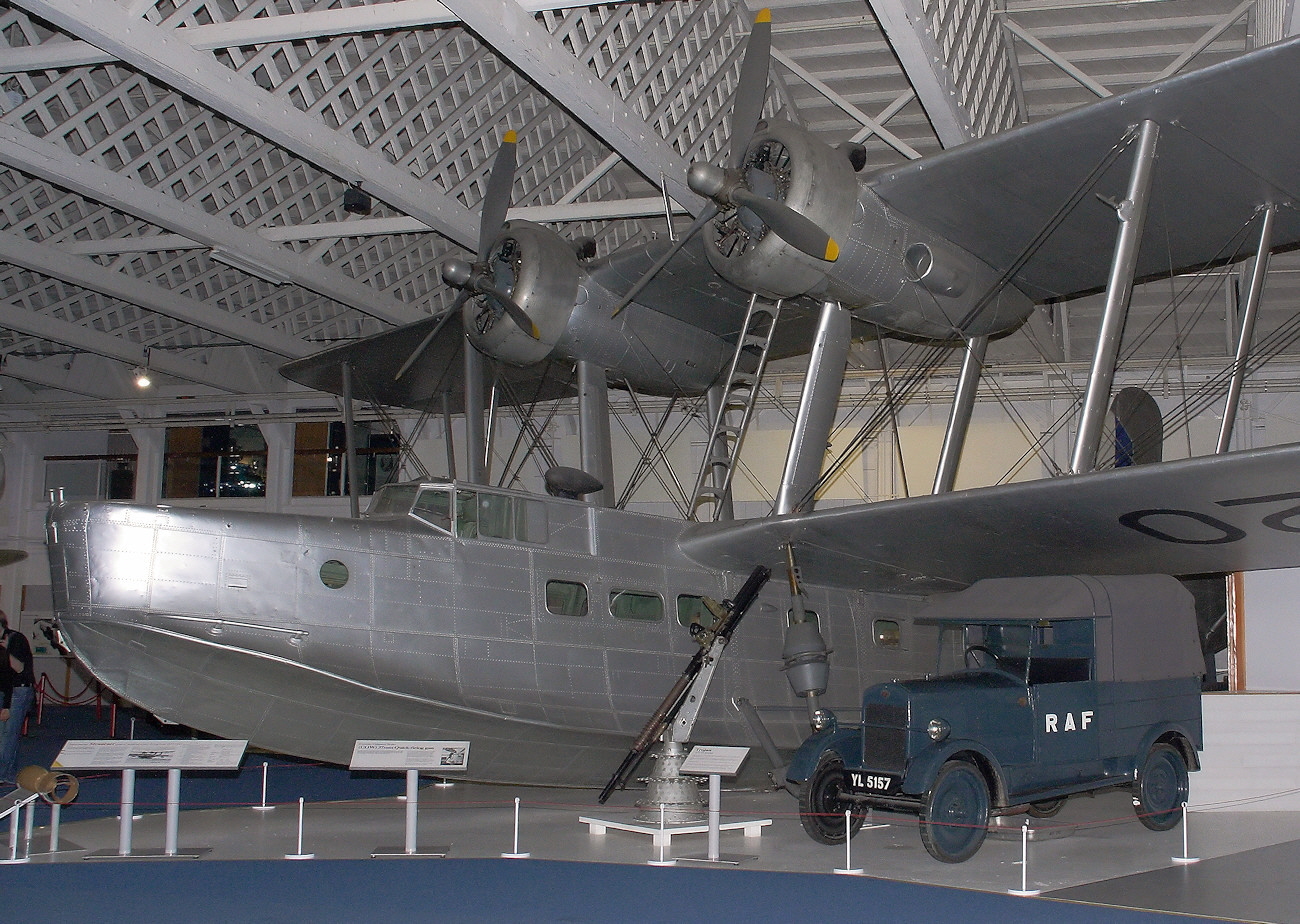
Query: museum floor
{"x": 1093, "y": 862}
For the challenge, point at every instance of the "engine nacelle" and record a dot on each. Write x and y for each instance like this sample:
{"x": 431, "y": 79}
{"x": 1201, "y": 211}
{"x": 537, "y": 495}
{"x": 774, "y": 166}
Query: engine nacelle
{"x": 786, "y": 163}
{"x": 538, "y": 269}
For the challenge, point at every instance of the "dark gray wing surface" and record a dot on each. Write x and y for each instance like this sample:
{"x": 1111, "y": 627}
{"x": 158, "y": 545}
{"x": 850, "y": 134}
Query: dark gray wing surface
{"x": 1234, "y": 512}
{"x": 1227, "y": 144}
{"x": 377, "y": 359}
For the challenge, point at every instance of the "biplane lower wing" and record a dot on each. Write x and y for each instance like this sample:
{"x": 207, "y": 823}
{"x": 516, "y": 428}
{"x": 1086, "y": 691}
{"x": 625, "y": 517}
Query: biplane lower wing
{"x": 1234, "y": 512}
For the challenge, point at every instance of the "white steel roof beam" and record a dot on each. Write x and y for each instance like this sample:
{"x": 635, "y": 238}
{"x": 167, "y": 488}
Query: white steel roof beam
{"x": 521, "y": 40}
{"x": 906, "y": 26}
{"x": 80, "y": 271}
{"x": 160, "y": 54}
{"x": 195, "y": 227}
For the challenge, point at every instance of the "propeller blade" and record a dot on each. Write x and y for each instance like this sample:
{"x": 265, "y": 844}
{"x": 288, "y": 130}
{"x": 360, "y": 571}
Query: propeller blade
{"x": 517, "y": 314}
{"x": 704, "y": 218}
{"x": 424, "y": 344}
{"x": 751, "y": 90}
{"x": 795, "y": 229}
{"x": 496, "y": 201}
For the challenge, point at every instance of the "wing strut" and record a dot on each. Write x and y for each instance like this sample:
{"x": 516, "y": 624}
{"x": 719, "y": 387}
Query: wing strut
{"x": 1132, "y": 214}
{"x": 694, "y": 681}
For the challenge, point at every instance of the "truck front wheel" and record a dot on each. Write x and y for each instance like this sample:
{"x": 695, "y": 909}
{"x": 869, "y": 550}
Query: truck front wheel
{"x": 955, "y": 812}
{"x": 822, "y": 806}
{"x": 1161, "y": 788}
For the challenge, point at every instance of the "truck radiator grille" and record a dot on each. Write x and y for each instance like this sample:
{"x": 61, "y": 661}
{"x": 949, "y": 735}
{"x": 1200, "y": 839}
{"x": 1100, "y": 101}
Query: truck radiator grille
{"x": 884, "y": 737}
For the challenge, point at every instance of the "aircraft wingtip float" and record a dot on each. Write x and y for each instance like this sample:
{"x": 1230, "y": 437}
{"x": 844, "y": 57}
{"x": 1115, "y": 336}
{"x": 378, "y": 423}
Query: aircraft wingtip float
{"x": 547, "y": 629}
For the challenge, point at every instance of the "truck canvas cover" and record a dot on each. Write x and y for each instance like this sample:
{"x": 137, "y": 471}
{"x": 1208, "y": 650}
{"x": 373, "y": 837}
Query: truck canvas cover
{"x": 1140, "y": 619}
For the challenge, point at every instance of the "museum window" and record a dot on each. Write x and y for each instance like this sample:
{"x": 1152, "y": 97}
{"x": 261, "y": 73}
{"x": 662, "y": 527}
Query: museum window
{"x": 217, "y": 461}
{"x": 320, "y": 458}
{"x": 566, "y": 598}
{"x": 636, "y": 606}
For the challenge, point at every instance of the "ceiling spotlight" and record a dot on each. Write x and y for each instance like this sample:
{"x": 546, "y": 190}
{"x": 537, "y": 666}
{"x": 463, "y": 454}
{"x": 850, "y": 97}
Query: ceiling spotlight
{"x": 356, "y": 201}
{"x": 142, "y": 379}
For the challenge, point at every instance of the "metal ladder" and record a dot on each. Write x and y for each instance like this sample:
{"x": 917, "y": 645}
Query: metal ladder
{"x": 727, "y": 434}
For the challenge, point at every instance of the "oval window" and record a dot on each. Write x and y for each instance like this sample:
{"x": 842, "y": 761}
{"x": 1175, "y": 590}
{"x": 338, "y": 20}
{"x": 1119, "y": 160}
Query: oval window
{"x": 333, "y": 574}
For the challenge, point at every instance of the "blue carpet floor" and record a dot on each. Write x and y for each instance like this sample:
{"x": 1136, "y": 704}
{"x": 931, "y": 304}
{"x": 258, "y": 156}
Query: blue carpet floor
{"x": 503, "y": 890}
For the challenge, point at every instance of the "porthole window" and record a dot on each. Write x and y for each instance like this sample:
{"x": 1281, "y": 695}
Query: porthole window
{"x": 333, "y": 574}
{"x": 566, "y": 598}
{"x": 631, "y": 604}
{"x": 885, "y": 632}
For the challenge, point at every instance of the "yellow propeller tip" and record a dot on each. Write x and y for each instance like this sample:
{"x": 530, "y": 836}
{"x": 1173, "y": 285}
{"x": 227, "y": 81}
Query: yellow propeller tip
{"x": 509, "y": 138}
{"x": 537, "y": 334}
{"x": 764, "y": 15}
{"x": 832, "y": 251}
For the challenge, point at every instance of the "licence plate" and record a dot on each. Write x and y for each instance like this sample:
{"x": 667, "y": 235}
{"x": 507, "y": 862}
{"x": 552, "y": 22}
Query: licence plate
{"x": 877, "y": 783}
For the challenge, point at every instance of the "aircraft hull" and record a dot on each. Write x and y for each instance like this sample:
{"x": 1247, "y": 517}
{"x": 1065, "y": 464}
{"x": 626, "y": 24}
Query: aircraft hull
{"x": 222, "y": 621}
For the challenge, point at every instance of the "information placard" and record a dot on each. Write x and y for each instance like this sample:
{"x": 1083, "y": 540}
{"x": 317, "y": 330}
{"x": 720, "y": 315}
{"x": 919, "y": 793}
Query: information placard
{"x": 434, "y": 756}
{"x": 713, "y": 758}
{"x": 150, "y": 755}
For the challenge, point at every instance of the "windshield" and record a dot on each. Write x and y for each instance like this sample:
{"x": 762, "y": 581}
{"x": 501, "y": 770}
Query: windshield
{"x": 392, "y": 500}
{"x": 981, "y": 646}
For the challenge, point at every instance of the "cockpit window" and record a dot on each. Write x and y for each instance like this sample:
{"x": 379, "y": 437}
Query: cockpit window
{"x": 433, "y": 506}
{"x": 392, "y": 500}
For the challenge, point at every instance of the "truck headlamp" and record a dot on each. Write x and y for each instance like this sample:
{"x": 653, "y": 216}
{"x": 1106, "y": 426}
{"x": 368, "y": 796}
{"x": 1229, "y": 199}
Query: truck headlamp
{"x": 822, "y": 719}
{"x": 938, "y": 729}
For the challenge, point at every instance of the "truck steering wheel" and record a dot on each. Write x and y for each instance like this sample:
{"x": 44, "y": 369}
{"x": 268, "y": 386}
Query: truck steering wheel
{"x": 973, "y": 663}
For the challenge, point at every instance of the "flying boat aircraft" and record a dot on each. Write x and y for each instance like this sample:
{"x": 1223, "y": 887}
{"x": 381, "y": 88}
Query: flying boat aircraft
{"x": 545, "y": 629}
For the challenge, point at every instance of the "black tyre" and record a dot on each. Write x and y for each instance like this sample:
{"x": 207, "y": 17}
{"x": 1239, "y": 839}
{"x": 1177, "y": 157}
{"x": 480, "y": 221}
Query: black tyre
{"x": 822, "y": 806}
{"x": 1161, "y": 788}
{"x": 1048, "y": 808}
{"x": 955, "y": 812}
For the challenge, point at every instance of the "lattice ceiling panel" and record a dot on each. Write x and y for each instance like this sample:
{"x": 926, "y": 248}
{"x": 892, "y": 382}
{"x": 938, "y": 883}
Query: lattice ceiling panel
{"x": 433, "y": 100}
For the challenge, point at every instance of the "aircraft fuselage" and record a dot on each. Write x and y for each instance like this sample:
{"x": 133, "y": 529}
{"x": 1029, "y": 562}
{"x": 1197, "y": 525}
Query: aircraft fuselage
{"x": 546, "y": 633}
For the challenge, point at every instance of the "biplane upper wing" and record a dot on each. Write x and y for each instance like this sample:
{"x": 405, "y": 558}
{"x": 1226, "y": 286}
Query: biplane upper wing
{"x": 1227, "y": 144}
{"x": 1232, "y": 512}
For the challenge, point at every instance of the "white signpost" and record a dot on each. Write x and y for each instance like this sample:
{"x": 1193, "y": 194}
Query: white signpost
{"x": 411, "y": 757}
{"x": 130, "y": 756}
{"x": 716, "y": 762}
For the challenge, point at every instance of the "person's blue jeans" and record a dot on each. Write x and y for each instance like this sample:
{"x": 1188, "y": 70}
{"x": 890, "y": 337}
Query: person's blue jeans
{"x": 12, "y": 729}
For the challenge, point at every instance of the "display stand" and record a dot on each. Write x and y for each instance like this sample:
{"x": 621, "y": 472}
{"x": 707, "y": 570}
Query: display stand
{"x": 716, "y": 762}
{"x": 411, "y": 757}
{"x": 130, "y": 756}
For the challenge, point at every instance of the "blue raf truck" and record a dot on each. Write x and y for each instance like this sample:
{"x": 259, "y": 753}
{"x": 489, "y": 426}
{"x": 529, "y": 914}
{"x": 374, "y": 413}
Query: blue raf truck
{"x": 1046, "y": 687}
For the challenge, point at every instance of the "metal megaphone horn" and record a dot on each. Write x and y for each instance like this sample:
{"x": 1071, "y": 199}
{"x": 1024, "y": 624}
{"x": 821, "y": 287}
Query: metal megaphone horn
{"x": 53, "y": 787}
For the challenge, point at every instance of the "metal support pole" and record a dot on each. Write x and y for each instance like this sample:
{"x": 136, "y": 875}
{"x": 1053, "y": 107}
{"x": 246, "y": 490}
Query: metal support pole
{"x": 447, "y": 436}
{"x": 593, "y": 429}
{"x": 715, "y": 815}
{"x": 475, "y": 437}
{"x": 713, "y": 400}
{"x": 1258, "y": 272}
{"x": 173, "y": 810}
{"x": 1119, "y": 291}
{"x": 412, "y": 807}
{"x": 350, "y": 445}
{"x": 817, "y": 405}
{"x": 963, "y": 405}
{"x": 127, "y": 808}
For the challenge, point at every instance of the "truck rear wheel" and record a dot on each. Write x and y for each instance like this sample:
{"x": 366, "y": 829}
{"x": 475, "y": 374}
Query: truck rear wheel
{"x": 1161, "y": 788}
{"x": 822, "y": 807}
{"x": 955, "y": 812}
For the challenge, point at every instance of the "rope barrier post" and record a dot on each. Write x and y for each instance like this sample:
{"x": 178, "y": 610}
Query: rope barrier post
{"x": 263, "y": 807}
{"x": 173, "y": 810}
{"x": 300, "y": 855}
{"x": 849, "y": 869}
{"x": 1185, "y": 859}
{"x": 127, "y": 807}
{"x": 56, "y": 815}
{"x": 662, "y": 841}
{"x": 516, "y": 855}
{"x": 1024, "y": 865}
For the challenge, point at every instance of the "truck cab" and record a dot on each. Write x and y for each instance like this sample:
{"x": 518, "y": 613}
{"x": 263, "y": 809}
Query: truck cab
{"x": 1044, "y": 687}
